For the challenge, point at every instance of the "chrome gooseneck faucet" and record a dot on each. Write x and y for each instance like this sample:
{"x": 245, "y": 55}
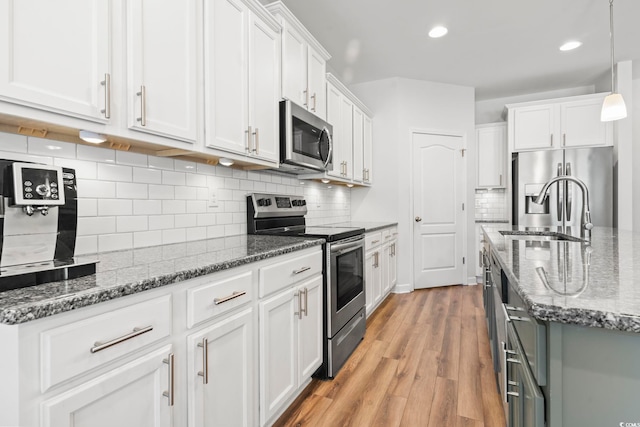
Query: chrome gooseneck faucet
{"x": 585, "y": 225}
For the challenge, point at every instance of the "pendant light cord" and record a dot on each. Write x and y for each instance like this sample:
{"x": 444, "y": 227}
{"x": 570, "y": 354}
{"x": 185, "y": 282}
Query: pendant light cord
{"x": 613, "y": 85}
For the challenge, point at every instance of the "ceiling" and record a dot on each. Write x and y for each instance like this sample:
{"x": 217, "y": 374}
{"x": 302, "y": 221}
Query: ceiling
{"x": 500, "y": 47}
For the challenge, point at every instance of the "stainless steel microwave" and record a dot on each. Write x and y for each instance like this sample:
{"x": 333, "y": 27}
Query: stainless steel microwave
{"x": 306, "y": 141}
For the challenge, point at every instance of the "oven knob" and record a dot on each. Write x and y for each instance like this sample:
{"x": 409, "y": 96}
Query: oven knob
{"x": 267, "y": 202}
{"x": 295, "y": 202}
{"x": 304, "y": 202}
{"x": 260, "y": 202}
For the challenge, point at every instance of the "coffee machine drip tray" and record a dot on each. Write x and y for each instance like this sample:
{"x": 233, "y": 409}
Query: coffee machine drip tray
{"x": 24, "y": 275}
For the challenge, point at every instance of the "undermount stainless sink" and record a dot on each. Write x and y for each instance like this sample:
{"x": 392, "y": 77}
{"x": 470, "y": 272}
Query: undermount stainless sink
{"x": 539, "y": 235}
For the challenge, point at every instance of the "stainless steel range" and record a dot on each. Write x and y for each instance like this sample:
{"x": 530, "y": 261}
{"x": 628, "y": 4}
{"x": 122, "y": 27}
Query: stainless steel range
{"x": 344, "y": 286}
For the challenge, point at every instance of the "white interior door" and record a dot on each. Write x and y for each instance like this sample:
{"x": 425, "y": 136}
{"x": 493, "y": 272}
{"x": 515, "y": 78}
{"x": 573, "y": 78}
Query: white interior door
{"x": 438, "y": 197}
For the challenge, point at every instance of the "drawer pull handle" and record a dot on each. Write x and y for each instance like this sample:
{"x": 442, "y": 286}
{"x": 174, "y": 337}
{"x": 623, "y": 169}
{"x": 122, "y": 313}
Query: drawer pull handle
{"x": 510, "y": 308}
{"x": 375, "y": 241}
{"x": 205, "y": 361}
{"x": 513, "y": 393}
{"x": 302, "y": 270}
{"x": 509, "y": 360}
{"x": 387, "y": 237}
{"x": 234, "y": 295}
{"x": 99, "y": 345}
{"x": 520, "y": 319}
{"x": 170, "y": 393}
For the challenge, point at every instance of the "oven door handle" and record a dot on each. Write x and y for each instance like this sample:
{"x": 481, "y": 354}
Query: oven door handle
{"x": 343, "y": 246}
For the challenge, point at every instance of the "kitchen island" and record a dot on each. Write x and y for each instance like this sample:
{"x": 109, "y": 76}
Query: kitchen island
{"x": 573, "y": 314}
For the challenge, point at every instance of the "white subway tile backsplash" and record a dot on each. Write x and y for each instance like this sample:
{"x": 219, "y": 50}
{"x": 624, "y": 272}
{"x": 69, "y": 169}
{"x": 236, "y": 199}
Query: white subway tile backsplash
{"x": 128, "y": 190}
{"x": 13, "y": 142}
{"x": 48, "y": 147}
{"x": 276, "y": 179}
{"x": 185, "y": 220}
{"x": 232, "y": 230}
{"x": 186, "y": 193}
{"x": 224, "y": 218}
{"x": 205, "y": 169}
{"x": 86, "y": 245}
{"x": 174, "y": 207}
{"x": 239, "y": 174}
{"x": 131, "y": 223}
{"x": 96, "y": 189}
{"x": 96, "y": 225}
{"x": 195, "y": 180}
{"x": 224, "y": 171}
{"x": 148, "y": 176}
{"x": 259, "y": 187}
{"x": 161, "y": 222}
{"x": 173, "y": 178}
{"x": 164, "y": 192}
{"x": 232, "y": 183}
{"x": 87, "y": 207}
{"x": 115, "y": 242}
{"x": 206, "y": 219}
{"x": 24, "y": 157}
{"x": 196, "y": 206}
{"x": 164, "y": 163}
{"x": 214, "y": 231}
{"x": 96, "y": 154}
{"x": 131, "y": 159}
{"x": 184, "y": 166}
{"x": 115, "y": 207}
{"x": 147, "y": 207}
{"x": 246, "y": 185}
{"x": 175, "y": 235}
{"x": 84, "y": 169}
{"x": 196, "y": 233}
{"x": 142, "y": 239}
{"x": 202, "y": 193}
{"x": 108, "y": 172}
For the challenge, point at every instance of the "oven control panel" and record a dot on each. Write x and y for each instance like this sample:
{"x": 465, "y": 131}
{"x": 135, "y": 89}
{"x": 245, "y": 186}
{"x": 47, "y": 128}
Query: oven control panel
{"x": 273, "y": 205}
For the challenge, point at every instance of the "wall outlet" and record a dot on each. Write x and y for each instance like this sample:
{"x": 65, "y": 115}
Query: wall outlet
{"x": 213, "y": 199}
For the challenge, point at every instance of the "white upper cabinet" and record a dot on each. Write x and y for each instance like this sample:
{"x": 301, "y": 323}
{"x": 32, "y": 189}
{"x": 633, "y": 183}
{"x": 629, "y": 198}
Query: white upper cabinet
{"x": 161, "y": 67}
{"x": 491, "y": 141}
{"x": 303, "y": 63}
{"x": 56, "y": 56}
{"x": 334, "y": 101}
{"x": 242, "y": 76}
{"x": 559, "y": 123}
{"x": 367, "y": 149}
{"x": 358, "y": 145}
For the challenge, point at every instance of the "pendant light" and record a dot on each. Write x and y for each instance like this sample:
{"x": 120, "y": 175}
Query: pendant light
{"x": 613, "y": 107}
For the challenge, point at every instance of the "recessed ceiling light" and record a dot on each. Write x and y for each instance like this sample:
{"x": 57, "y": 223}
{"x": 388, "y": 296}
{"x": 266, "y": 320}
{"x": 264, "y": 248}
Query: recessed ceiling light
{"x": 438, "y": 31}
{"x": 225, "y": 162}
{"x": 92, "y": 137}
{"x": 570, "y": 45}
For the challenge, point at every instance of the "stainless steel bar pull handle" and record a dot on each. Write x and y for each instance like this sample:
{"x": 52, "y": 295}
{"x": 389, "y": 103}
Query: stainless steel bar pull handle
{"x": 306, "y": 302}
{"x": 564, "y": 139}
{"x": 306, "y": 97}
{"x": 520, "y": 319}
{"x": 511, "y": 308}
{"x": 551, "y": 140}
{"x": 299, "y": 312}
{"x": 107, "y": 96}
{"x": 500, "y": 180}
{"x": 256, "y": 141}
{"x": 516, "y": 361}
{"x": 301, "y": 270}
{"x": 171, "y": 384}
{"x": 560, "y": 194}
{"x": 100, "y": 345}
{"x": 143, "y": 106}
{"x": 234, "y": 295}
{"x": 249, "y": 133}
{"x": 205, "y": 361}
{"x": 315, "y": 101}
{"x": 513, "y": 393}
{"x": 568, "y": 192}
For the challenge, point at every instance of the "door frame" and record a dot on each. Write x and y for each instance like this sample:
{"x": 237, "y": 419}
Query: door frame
{"x": 441, "y": 132}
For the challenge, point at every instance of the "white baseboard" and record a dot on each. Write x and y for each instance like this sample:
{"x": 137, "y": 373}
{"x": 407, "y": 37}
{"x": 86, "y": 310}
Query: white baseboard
{"x": 403, "y": 288}
{"x": 473, "y": 280}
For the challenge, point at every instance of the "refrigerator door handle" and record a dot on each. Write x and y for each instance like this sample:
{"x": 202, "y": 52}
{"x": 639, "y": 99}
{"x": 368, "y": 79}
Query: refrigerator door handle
{"x": 568, "y": 192}
{"x": 559, "y": 194}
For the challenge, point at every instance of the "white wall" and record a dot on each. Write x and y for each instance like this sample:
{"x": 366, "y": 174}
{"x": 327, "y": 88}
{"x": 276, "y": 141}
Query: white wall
{"x": 635, "y": 119}
{"x": 399, "y": 105}
{"x": 129, "y": 200}
{"x": 490, "y": 110}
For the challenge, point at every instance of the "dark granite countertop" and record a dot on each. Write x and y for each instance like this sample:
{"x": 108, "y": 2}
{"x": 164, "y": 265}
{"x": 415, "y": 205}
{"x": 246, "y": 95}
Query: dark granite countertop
{"x": 367, "y": 225}
{"x": 128, "y": 272}
{"x": 572, "y": 282}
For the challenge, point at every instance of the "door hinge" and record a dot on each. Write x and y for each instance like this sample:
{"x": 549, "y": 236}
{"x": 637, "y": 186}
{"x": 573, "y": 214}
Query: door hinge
{"x": 464, "y": 260}
{"x": 462, "y": 150}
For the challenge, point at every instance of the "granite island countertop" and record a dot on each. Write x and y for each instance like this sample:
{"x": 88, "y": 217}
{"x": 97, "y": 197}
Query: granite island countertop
{"x": 594, "y": 285}
{"x": 368, "y": 226}
{"x": 128, "y": 272}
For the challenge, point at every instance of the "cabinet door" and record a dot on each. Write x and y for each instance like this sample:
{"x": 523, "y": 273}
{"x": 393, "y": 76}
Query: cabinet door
{"x": 534, "y": 127}
{"x": 163, "y": 63}
{"x": 264, "y": 88}
{"x": 225, "y": 29}
{"x": 228, "y": 397}
{"x": 393, "y": 265}
{"x": 278, "y": 344}
{"x": 334, "y": 117}
{"x": 581, "y": 125}
{"x": 369, "y": 273}
{"x": 310, "y": 330}
{"x": 130, "y": 395}
{"x": 368, "y": 150}
{"x": 385, "y": 262}
{"x": 294, "y": 66}
{"x": 317, "y": 75}
{"x": 346, "y": 111}
{"x": 491, "y": 156}
{"x": 358, "y": 144}
{"x": 56, "y": 64}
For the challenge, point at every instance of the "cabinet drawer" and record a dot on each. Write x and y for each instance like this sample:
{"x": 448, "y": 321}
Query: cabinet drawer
{"x": 280, "y": 275}
{"x": 371, "y": 240}
{"x": 216, "y": 297}
{"x": 532, "y": 335}
{"x": 86, "y": 344}
{"x": 385, "y": 235}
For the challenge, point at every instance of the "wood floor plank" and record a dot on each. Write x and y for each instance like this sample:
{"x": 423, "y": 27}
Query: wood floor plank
{"x": 390, "y": 412}
{"x": 426, "y": 333}
{"x": 443, "y": 408}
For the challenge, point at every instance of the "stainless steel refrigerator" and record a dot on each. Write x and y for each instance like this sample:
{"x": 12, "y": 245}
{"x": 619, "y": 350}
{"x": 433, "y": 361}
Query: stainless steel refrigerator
{"x": 563, "y": 207}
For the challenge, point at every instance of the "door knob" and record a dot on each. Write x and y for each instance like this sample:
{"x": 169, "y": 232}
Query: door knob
{"x": 418, "y": 219}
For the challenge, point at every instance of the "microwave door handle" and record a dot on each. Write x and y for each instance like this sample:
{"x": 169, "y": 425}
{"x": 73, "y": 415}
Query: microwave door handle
{"x": 330, "y": 148}
{"x": 568, "y": 190}
{"x": 559, "y": 194}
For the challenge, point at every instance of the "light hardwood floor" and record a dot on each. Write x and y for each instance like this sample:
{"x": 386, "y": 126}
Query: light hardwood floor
{"x": 425, "y": 361}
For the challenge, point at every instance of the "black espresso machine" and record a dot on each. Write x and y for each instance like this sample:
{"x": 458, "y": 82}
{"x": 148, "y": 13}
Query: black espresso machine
{"x": 38, "y": 223}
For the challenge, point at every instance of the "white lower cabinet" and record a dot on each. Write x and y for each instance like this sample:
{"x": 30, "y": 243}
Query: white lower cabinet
{"x": 220, "y": 373}
{"x": 138, "y": 394}
{"x": 380, "y": 266}
{"x": 373, "y": 280}
{"x": 290, "y": 344}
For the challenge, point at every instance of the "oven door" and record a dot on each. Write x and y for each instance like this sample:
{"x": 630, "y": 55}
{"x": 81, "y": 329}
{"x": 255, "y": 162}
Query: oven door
{"x": 345, "y": 287}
